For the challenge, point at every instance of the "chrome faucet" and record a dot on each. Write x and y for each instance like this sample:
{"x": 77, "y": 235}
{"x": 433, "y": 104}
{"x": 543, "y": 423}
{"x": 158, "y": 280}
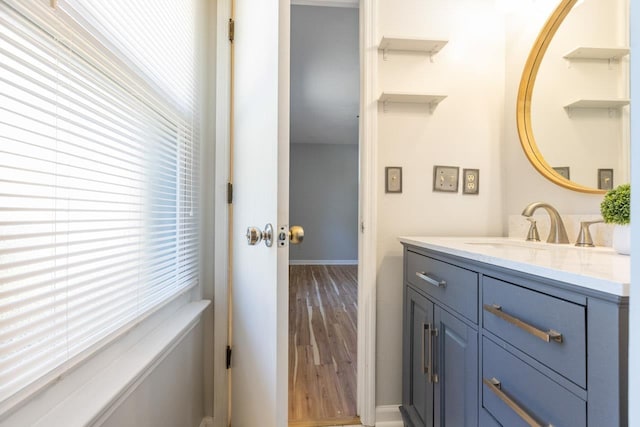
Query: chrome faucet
{"x": 557, "y": 232}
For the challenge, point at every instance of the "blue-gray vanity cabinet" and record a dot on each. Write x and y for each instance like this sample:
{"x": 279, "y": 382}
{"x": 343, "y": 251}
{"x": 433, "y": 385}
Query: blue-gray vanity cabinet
{"x": 498, "y": 354}
{"x": 440, "y": 350}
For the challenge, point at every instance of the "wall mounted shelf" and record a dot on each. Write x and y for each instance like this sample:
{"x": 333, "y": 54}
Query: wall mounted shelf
{"x": 428, "y": 46}
{"x": 411, "y": 98}
{"x": 604, "y": 104}
{"x": 608, "y": 54}
{"x": 597, "y": 53}
{"x": 598, "y": 103}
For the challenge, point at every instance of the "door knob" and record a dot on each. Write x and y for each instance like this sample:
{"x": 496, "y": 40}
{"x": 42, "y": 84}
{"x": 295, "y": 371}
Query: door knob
{"x": 255, "y": 235}
{"x": 296, "y": 234}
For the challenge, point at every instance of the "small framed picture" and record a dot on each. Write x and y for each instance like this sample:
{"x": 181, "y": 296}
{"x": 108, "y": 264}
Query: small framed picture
{"x": 393, "y": 179}
{"x": 605, "y": 179}
{"x": 563, "y": 171}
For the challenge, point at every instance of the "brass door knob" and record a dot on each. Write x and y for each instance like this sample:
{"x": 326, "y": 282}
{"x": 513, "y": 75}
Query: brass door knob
{"x": 296, "y": 234}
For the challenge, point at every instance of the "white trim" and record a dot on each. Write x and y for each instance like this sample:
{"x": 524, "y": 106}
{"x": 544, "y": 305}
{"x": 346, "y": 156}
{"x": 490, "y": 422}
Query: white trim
{"x": 282, "y": 255}
{"x": 326, "y": 3}
{"x": 367, "y": 241}
{"x": 323, "y": 262}
{"x": 207, "y": 422}
{"x": 90, "y": 394}
{"x": 221, "y": 234}
{"x": 388, "y": 416}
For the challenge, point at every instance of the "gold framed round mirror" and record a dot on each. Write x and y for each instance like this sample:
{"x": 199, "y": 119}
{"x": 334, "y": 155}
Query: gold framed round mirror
{"x": 525, "y": 126}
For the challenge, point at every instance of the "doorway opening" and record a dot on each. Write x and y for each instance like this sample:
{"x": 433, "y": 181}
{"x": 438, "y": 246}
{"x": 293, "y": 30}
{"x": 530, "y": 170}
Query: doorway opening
{"x": 324, "y": 185}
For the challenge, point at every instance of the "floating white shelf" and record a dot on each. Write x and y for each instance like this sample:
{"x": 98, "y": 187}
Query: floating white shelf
{"x": 598, "y": 103}
{"x": 598, "y": 53}
{"x": 428, "y": 46}
{"x": 412, "y": 98}
{"x": 603, "y": 104}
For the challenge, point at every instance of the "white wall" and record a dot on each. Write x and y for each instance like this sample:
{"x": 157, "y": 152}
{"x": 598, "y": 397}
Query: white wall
{"x": 465, "y": 130}
{"x": 324, "y": 200}
{"x": 634, "y": 330}
{"x": 172, "y": 395}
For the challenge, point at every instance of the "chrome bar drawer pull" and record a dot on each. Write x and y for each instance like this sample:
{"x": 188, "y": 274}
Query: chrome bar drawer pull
{"x": 425, "y": 328}
{"x": 547, "y": 336}
{"x": 433, "y": 335}
{"x": 430, "y": 280}
{"x": 495, "y": 386}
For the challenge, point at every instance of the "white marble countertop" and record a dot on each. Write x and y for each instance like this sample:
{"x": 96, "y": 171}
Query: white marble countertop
{"x": 599, "y": 268}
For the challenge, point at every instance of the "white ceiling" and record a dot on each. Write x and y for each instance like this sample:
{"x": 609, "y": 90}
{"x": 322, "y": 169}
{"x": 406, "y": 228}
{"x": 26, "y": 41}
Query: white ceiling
{"x": 325, "y": 75}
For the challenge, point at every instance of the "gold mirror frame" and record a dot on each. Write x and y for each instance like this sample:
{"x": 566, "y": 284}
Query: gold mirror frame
{"x": 525, "y": 94}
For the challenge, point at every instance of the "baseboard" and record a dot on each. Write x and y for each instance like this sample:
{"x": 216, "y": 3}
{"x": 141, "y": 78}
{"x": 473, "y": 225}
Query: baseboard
{"x": 331, "y": 3}
{"x": 323, "y": 262}
{"x": 206, "y": 422}
{"x": 388, "y": 416}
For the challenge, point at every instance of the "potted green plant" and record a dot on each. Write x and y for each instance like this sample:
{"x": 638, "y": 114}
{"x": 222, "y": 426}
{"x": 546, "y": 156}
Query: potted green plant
{"x": 616, "y": 209}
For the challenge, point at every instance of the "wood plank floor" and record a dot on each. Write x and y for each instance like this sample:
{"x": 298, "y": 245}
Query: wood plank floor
{"x": 323, "y": 308}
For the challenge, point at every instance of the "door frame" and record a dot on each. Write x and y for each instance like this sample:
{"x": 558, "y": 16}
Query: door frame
{"x": 367, "y": 208}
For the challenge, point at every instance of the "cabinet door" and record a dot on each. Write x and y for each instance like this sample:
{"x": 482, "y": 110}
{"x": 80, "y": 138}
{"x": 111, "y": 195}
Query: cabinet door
{"x": 417, "y": 391}
{"x": 456, "y": 392}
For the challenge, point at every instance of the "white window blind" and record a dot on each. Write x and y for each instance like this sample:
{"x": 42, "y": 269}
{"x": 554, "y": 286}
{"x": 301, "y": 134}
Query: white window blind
{"x": 98, "y": 179}
{"x": 166, "y": 58}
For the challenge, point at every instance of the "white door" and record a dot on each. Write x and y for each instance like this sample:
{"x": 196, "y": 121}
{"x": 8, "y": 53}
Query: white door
{"x": 260, "y": 171}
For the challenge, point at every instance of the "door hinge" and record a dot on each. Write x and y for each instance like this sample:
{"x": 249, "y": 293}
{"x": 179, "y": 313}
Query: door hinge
{"x": 232, "y": 29}
{"x": 229, "y": 193}
{"x": 228, "y": 357}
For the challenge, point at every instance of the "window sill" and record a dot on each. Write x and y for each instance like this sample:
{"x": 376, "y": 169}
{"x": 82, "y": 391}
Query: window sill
{"x": 89, "y": 394}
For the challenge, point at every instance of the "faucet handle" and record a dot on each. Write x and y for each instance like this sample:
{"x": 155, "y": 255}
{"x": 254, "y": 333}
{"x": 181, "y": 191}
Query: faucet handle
{"x": 584, "y": 236}
{"x": 532, "y": 235}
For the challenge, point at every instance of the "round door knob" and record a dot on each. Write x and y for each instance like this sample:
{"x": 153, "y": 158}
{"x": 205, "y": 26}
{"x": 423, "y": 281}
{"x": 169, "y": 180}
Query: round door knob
{"x": 254, "y": 236}
{"x": 296, "y": 234}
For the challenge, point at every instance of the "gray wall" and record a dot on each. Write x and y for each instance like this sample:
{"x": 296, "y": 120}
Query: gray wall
{"x": 325, "y": 75}
{"x": 172, "y": 395}
{"x": 324, "y": 200}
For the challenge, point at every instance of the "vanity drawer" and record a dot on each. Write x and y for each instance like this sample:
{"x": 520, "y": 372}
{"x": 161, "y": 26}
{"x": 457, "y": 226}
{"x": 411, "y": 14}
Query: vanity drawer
{"x": 528, "y": 320}
{"x": 512, "y": 391}
{"x": 451, "y": 285}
